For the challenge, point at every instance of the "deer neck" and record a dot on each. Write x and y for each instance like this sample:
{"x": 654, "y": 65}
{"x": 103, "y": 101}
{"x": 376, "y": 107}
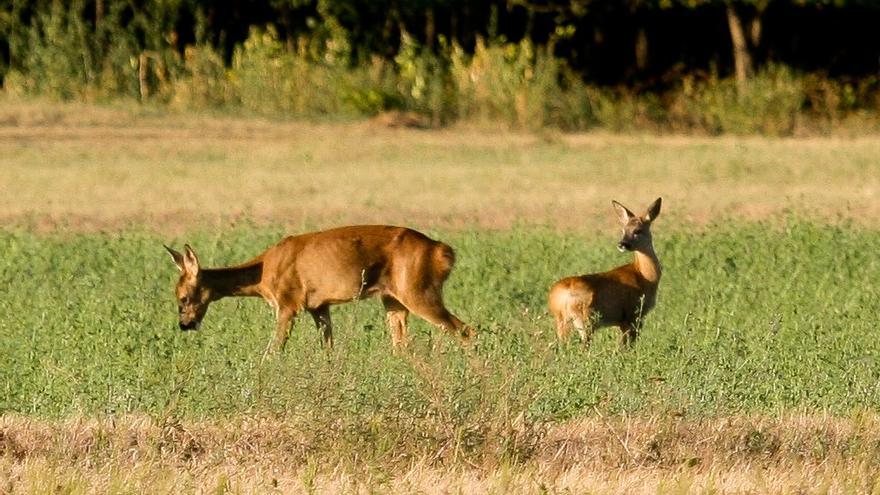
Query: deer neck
{"x": 242, "y": 280}
{"x": 647, "y": 264}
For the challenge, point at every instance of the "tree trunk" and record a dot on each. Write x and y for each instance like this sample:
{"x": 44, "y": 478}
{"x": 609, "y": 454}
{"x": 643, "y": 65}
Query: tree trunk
{"x": 143, "y": 74}
{"x": 453, "y": 27}
{"x": 755, "y": 31}
{"x": 99, "y": 14}
{"x": 430, "y": 29}
{"x": 742, "y": 59}
{"x": 641, "y": 51}
{"x": 388, "y": 30}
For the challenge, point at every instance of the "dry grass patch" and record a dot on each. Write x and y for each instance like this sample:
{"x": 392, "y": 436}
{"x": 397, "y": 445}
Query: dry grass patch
{"x": 793, "y": 454}
{"x": 90, "y": 168}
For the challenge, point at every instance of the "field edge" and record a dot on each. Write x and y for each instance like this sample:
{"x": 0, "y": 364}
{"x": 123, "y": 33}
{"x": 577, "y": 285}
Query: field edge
{"x": 806, "y": 453}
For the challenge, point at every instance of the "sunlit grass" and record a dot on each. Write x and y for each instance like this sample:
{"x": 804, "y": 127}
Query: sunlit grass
{"x": 764, "y": 312}
{"x": 255, "y": 454}
{"x": 750, "y": 318}
{"x": 177, "y": 173}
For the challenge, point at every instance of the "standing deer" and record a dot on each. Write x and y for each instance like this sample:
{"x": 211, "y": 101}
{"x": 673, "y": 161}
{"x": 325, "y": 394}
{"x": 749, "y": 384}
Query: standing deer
{"x": 620, "y": 297}
{"x": 405, "y": 268}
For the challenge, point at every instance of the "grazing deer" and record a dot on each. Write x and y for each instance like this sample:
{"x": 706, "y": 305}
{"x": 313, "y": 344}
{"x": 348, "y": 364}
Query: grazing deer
{"x": 311, "y": 271}
{"x": 620, "y": 297}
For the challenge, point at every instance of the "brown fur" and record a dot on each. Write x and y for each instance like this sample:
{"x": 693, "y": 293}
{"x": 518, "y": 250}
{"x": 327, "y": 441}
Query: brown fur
{"x": 404, "y": 268}
{"x": 620, "y": 297}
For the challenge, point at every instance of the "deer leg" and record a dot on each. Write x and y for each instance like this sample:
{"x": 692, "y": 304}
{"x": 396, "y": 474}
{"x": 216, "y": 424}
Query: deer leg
{"x": 395, "y": 315}
{"x": 584, "y": 328}
{"x": 431, "y": 308}
{"x": 321, "y": 315}
{"x": 283, "y": 324}
{"x": 579, "y": 319}
{"x": 563, "y": 329}
{"x": 629, "y": 332}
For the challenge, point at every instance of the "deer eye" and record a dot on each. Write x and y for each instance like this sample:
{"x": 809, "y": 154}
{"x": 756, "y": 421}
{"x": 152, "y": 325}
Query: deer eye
{"x": 184, "y": 300}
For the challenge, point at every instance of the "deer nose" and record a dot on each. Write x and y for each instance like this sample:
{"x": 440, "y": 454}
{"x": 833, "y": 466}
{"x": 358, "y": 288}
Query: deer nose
{"x": 623, "y": 246}
{"x": 191, "y": 325}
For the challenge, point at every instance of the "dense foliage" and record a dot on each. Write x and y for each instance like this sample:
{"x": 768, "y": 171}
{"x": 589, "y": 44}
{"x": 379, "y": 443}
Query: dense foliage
{"x": 571, "y": 64}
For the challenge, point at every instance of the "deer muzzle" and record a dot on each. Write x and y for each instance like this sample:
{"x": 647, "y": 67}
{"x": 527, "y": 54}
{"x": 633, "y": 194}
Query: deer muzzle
{"x": 189, "y": 325}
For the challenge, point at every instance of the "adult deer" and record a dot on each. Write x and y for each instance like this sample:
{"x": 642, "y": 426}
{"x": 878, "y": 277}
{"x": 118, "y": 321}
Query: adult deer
{"x": 620, "y": 297}
{"x": 405, "y": 268}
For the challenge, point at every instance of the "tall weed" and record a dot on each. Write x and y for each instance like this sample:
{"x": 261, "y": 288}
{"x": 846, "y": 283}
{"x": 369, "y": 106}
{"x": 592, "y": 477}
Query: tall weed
{"x": 269, "y": 79}
{"x": 129, "y": 55}
{"x": 424, "y": 81}
{"x": 58, "y": 60}
{"x": 517, "y": 84}
{"x": 202, "y": 83}
{"x": 770, "y": 104}
{"x": 62, "y": 55}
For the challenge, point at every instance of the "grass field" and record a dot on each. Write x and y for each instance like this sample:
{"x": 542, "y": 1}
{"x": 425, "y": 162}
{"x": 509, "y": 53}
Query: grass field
{"x": 181, "y": 172}
{"x": 757, "y": 372}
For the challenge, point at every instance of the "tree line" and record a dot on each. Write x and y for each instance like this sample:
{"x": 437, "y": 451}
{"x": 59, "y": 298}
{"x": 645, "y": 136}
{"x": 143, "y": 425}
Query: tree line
{"x": 643, "y": 46}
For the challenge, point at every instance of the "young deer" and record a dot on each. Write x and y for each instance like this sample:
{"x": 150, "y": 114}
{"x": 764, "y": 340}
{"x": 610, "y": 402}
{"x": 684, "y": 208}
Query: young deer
{"x": 311, "y": 271}
{"x": 620, "y": 297}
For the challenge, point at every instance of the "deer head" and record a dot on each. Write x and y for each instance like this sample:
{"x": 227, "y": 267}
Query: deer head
{"x": 636, "y": 229}
{"x": 192, "y": 296}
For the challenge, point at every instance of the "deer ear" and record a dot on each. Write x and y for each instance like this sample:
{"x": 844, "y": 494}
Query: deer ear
{"x": 177, "y": 257}
{"x": 653, "y": 210}
{"x": 190, "y": 261}
{"x": 623, "y": 214}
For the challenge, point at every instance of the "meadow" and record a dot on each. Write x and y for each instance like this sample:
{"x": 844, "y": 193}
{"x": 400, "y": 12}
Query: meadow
{"x": 756, "y": 373}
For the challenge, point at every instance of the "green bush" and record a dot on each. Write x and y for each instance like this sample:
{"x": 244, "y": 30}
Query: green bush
{"x": 516, "y": 85}
{"x": 373, "y": 88}
{"x": 312, "y": 81}
{"x": 203, "y": 83}
{"x": 769, "y": 103}
{"x": 424, "y": 81}
{"x": 61, "y": 55}
{"x": 263, "y": 73}
{"x": 623, "y": 110}
{"x": 513, "y": 83}
{"x": 58, "y": 61}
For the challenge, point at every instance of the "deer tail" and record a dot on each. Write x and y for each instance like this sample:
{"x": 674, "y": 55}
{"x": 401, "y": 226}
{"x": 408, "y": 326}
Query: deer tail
{"x": 443, "y": 259}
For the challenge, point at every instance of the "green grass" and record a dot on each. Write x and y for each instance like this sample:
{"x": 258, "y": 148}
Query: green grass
{"x": 750, "y": 319}
{"x": 761, "y": 351}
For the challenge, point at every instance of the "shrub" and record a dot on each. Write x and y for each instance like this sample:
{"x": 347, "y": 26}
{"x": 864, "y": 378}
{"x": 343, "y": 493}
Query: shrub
{"x": 492, "y": 85}
{"x": 373, "y": 88}
{"x": 622, "y": 110}
{"x": 64, "y": 55}
{"x": 309, "y": 82}
{"x": 424, "y": 83}
{"x": 262, "y": 75}
{"x": 203, "y": 82}
{"x": 769, "y": 104}
{"x": 57, "y": 61}
{"x": 519, "y": 85}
